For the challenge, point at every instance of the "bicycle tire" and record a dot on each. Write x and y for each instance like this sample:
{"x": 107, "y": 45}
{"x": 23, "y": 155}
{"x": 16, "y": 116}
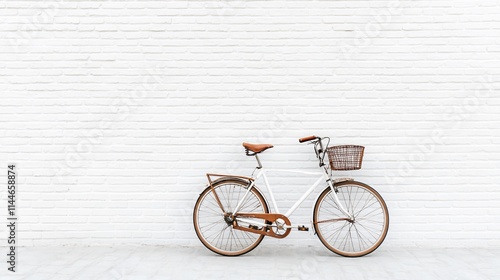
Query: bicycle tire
{"x": 212, "y": 227}
{"x": 355, "y": 238}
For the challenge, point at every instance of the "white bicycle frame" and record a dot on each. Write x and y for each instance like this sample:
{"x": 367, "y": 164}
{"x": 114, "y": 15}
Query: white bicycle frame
{"x": 262, "y": 173}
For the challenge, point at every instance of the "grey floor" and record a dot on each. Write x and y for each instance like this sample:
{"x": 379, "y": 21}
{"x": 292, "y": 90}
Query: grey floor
{"x": 263, "y": 263}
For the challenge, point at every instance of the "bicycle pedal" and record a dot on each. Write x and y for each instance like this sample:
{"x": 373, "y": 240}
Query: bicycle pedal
{"x": 303, "y": 228}
{"x": 253, "y": 227}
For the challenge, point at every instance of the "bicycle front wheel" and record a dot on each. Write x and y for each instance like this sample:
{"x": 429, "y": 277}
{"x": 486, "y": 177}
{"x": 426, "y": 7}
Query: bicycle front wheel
{"x": 359, "y": 236}
{"x": 214, "y": 227}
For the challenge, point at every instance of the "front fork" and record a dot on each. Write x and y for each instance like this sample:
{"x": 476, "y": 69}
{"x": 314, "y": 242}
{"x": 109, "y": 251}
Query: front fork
{"x": 336, "y": 198}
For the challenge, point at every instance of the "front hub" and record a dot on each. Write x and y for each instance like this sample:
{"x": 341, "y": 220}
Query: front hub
{"x": 228, "y": 218}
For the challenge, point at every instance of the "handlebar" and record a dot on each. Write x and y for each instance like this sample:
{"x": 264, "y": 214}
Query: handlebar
{"x": 308, "y": 138}
{"x": 319, "y": 149}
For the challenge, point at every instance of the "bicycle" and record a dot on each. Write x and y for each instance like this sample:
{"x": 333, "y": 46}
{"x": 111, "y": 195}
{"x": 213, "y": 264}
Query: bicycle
{"x": 232, "y": 216}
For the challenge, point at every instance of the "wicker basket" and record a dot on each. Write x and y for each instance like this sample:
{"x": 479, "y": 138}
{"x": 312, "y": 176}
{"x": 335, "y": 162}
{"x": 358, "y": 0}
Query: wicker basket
{"x": 345, "y": 157}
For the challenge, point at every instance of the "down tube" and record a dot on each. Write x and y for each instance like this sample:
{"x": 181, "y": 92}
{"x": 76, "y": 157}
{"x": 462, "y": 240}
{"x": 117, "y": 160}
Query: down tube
{"x": 304, "y": 196}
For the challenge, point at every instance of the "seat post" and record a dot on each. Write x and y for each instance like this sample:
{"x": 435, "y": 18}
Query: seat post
{"x": 258, "y": 161}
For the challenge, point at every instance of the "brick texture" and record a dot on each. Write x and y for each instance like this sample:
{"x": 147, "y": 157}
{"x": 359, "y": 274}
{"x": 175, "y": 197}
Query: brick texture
{"x": 115, "y": 110}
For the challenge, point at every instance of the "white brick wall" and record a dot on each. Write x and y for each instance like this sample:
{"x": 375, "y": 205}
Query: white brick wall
{"x": 115, "y": 110}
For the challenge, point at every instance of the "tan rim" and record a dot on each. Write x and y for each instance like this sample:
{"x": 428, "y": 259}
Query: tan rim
{"x": 248, "y": 241}
{"x": 348, "y": 231}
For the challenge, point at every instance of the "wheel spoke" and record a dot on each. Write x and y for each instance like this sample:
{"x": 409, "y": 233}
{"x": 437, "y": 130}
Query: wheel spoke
{"x": 356, "y": 237}
{"x": 215, "y": 229}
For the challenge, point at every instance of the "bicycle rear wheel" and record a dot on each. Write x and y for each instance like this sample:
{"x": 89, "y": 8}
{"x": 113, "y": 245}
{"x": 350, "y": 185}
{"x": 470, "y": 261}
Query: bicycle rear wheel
{"x": 214, "y": 228}
{"x": 357, "y": 237}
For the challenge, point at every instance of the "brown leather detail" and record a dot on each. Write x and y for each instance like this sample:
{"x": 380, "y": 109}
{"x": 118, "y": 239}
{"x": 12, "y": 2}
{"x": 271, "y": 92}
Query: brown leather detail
{"x": 308, "y": 138}
{"x": 257, "y": 148}
{"x": 270, "y": 217}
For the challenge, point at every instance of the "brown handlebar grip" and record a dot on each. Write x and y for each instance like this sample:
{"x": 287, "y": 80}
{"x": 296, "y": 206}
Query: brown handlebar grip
{"x": 308, "y": 138}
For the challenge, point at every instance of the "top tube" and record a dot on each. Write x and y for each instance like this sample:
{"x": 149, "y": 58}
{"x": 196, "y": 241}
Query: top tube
{"x": 291, "y": 171}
